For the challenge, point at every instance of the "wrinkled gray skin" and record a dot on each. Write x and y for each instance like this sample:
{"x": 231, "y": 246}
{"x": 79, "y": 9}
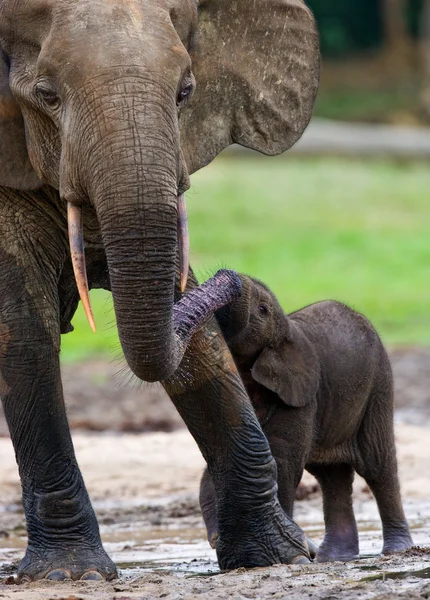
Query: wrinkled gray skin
{"x": 321, "y": 384}
{"x": 96, "y": 108}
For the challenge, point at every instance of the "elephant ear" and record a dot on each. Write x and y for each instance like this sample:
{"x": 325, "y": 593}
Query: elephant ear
{"x": 15, "y": 166}
{"x": 291, "y": 369}
{"x": 256, "y": 64}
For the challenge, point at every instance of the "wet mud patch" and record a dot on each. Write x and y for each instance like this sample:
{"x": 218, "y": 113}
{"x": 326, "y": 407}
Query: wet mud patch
{"x": 313, "y": 582}
{"x": 144, "y": 488}
{"x": 160, "y": 548}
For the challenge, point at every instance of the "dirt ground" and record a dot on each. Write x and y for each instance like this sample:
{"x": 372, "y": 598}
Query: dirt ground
{"x": 144, "y": 488}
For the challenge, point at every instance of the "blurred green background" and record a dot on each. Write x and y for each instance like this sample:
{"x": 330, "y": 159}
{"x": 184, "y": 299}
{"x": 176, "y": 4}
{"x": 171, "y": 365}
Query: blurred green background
{"x": 312, "y": 228}
{"x": 356, "y": 231}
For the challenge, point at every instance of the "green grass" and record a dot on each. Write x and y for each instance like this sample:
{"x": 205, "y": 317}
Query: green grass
{"x": 356, "y": 231}
{"x": 375, "y": 106}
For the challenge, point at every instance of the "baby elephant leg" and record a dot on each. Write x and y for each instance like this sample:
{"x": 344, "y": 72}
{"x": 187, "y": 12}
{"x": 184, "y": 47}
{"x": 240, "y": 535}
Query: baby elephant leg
{"x": 341, "y": 536}
{"x": 208, "y": 507}
{"x": 395, "y": 528}
{"x": 378, "y": 466}
{"x": 384, "y": 483}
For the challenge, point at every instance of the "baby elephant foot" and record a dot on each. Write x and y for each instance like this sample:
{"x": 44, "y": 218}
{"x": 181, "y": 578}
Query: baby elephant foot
{"x": 396, "y": 537}
{"x": 342, "y": 547}
{"x": 62, "y": 565}
{"x": 268, "y": 537}
{"x": 343, "y": 554}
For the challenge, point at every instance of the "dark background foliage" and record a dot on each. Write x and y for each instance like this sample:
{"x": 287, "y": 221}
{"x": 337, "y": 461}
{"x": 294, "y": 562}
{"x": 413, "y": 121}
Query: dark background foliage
{"x": 351, "y": 26}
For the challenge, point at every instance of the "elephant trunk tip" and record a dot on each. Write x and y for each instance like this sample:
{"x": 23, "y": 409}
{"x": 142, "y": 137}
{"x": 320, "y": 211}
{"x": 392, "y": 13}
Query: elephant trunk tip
{"x": 190, "y": 313}
{"x": 231, "y": 282}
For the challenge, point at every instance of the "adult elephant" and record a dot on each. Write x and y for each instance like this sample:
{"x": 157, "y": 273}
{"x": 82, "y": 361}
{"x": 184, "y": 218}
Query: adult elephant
{"x": 96, "y": 120}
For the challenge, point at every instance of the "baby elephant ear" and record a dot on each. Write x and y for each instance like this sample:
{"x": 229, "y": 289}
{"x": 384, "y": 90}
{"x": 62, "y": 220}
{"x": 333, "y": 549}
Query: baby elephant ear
{"x": 15, "y": 167}
{"x": 291, "y": 370}
{"x": 256, "y": 64}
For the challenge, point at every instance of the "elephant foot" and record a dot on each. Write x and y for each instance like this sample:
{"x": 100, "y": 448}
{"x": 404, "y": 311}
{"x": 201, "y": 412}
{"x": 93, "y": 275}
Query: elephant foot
{"x": 313, "y": 548}
{"x": 336, "y": 555}
{"x": 396, "y": 537}
{"x": 339, "y": 544}
{"x": 269, "y": 537}
{"x": 87, "y": 564}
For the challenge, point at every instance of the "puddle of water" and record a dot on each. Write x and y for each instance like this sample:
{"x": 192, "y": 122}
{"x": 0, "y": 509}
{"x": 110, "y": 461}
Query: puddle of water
{"x": 161, "y": 551}
{"x": 421, "y": 574}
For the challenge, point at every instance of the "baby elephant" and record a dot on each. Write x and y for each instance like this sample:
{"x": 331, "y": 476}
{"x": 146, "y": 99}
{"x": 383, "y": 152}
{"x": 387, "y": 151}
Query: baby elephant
{"x": 321, "y": 385}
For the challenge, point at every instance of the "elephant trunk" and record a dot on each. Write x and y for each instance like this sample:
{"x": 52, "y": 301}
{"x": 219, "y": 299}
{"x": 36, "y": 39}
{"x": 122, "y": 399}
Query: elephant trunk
{"x": 139, "y": 236}
{"x": 154, "y": 332}
{"x": 132, "y": 179}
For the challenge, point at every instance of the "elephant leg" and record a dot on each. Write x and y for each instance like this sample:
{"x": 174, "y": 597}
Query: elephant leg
{"x": 207, "y": 498}
{"x": 378, "y": 466}
{"x": 290, "y": 436}
{"x": 207, "y": 390}
{"x": 290, "y": 432}
{"x": 63, "y": 535}
{"x": 341, "y": 535}
{"x": 289, "y": 476}
{"x": 395, "y": 530}
{"x": 290, "y": 471}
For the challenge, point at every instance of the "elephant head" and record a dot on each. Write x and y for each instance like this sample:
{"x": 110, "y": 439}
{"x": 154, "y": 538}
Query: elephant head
{"x": 114, "y": 103}
{"x": 270, "y": 344}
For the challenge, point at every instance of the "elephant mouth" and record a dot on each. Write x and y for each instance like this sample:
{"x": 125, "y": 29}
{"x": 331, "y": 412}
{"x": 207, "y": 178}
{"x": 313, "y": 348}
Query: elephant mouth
{"x": 77, "y": 250}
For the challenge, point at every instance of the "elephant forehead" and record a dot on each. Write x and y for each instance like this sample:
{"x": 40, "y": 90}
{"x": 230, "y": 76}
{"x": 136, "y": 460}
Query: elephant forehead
{"x": 99, "y": 35}
{"x": 34, "y": 19}
{"x": 31, "y": 19}
{"x": 126, "y": 15}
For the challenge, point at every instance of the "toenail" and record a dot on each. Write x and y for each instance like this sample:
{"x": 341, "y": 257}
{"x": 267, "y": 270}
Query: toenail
{"x": 58, "y": 575}
{"x": 300, "y": 560}
{"x": 92, "y": 576}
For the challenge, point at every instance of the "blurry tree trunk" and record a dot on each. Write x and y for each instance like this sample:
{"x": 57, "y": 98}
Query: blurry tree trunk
{"x": 425, "y": 57}
{"x": 398, "y": 44}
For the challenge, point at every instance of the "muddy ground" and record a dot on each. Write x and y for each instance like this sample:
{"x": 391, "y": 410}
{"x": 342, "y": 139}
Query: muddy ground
{"x": 144, "y": 488}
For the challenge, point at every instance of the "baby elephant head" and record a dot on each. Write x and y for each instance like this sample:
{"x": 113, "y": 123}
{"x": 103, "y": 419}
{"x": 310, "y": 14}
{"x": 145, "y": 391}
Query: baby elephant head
{"x": 273, "y": 346}
{"x": 253, "y": 321}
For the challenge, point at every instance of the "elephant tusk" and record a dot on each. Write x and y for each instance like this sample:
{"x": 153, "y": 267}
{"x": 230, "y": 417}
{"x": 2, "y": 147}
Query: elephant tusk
{"x": 76, "y": 240}
{"x": 184, "y": 242}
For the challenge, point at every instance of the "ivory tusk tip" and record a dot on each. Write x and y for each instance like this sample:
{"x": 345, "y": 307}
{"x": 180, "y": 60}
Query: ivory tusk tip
{"x": 77, "y": 253}
{"x": 89, "y": 314}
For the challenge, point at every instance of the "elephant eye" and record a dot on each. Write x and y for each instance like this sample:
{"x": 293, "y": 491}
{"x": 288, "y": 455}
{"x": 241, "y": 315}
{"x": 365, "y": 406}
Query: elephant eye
{"x": 262, "y": 310}
{"x": 185, "y": 92}
{"x": 47, "y": 95}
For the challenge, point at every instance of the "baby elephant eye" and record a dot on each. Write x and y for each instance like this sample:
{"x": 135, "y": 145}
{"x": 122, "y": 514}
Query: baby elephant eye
{"x": 262, "y": 309}
{"x": 47, "y": 95}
